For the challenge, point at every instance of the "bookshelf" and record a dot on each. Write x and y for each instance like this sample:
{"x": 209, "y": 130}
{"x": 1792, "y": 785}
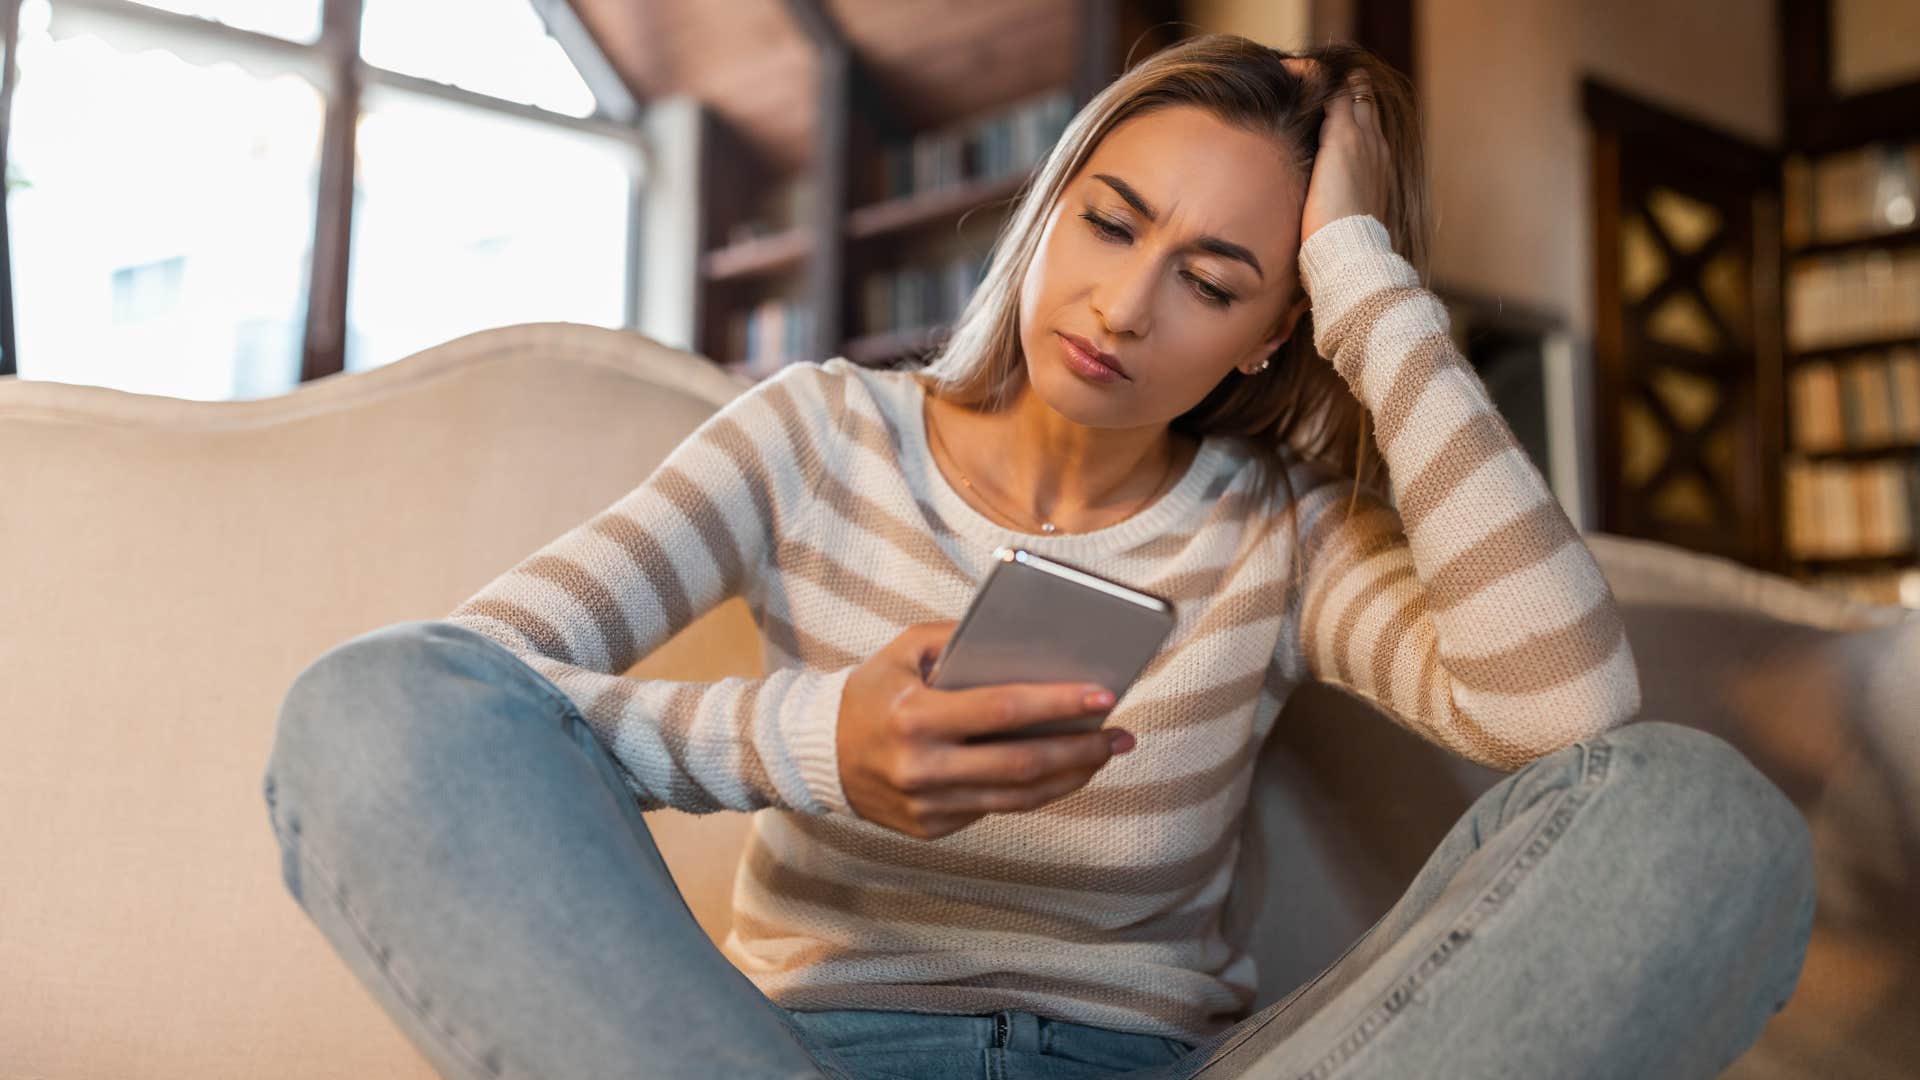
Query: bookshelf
{"x": 929, "y": 204}
{"x": 1851, "y": 470}
{"x": 915, "y": 196}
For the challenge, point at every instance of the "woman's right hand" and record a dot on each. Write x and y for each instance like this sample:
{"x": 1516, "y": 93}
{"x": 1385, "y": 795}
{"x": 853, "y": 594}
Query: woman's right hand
{"x": 904, "y": 761}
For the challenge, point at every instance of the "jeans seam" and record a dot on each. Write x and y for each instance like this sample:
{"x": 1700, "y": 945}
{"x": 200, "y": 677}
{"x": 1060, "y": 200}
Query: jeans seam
{"x": 1593, "y": 771}
{"x": 1298, "y": 990}
{"x": 378, "y": 952}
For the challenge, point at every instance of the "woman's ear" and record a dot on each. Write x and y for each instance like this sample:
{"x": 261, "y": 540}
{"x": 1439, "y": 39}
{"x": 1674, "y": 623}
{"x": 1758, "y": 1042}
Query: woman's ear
{"x": 1282, "y": 331}
{"x": 1300, "y": 307}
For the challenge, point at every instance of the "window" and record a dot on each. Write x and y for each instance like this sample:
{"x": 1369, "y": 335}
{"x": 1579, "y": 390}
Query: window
{"x": 502, "y": 50}
{"x": 145, "y": 292}
{"x": 459, "y": 213}
{"x": 164, "y": 174}
{"x": 141, "y": 242}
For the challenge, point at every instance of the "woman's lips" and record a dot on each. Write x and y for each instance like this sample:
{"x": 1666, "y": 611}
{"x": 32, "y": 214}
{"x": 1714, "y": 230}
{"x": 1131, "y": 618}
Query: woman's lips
{"x": 1090, "y": 355}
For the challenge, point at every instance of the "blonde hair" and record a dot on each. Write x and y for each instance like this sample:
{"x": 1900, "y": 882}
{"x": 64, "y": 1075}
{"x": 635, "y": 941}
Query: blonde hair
{"x": 1299, "y": 404}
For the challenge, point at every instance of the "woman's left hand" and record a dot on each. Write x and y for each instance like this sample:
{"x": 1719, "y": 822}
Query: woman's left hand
{"x": 1351, "y": 170}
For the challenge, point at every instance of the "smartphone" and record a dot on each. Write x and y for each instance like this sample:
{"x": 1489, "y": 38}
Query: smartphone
{"x": 1037, "y": 620}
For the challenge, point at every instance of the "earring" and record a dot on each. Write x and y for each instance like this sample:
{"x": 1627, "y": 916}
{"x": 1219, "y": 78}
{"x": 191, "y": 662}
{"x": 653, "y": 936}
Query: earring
{"x": 1262, "y": 367}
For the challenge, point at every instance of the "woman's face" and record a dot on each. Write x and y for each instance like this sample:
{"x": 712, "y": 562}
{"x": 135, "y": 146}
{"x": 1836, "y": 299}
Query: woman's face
{"x": 1137, "y": 282}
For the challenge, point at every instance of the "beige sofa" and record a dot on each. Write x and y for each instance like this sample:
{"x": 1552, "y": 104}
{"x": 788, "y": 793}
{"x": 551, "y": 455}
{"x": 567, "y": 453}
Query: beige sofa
{"x": 172, "y": 564}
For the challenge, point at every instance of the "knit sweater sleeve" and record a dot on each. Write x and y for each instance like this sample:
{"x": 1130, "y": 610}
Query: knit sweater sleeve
{"x": 699, "y": 529}
{"x": 1468, "y": 609}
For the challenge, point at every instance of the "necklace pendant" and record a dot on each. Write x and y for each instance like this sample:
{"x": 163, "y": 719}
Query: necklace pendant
{"x": 1046, "y": 526}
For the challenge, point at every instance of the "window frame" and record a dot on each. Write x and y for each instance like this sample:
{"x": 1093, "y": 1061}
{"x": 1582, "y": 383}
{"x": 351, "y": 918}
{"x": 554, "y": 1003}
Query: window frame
{"x": 334, "y": 65}
{"x": 10, "y": 44}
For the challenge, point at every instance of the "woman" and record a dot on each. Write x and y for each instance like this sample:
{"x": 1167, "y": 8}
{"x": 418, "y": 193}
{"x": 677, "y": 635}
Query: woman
{"x": 460, "y": 799}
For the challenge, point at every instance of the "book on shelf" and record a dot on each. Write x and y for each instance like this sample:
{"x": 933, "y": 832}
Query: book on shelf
{"x": 1851, "y": 509}
{"x": 1849, "y": 194}
{"x": 921, "y": 294}
{"x": 1866, "y": 391}
{"x": 767, "y": 336}
{"x": 1903, "y": 389}
{"x": 786, "y": 206}
{"x": 986, "y": 148}
{"x": 1846, "y": 297}
{"x": 1856, "y": 403}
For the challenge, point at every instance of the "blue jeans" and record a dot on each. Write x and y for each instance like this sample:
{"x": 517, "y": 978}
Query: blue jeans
{"x": 1637, "y": 904}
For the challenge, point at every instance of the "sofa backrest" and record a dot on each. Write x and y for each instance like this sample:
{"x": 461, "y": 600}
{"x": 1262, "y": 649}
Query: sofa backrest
{"x": 172, "y": 565}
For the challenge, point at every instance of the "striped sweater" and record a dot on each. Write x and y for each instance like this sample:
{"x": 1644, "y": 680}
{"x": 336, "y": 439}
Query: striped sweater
{"x": 1467, "y": 607}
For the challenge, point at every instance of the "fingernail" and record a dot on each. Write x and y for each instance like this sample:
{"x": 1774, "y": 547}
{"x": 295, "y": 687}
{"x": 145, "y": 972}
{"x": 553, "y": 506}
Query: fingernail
{"x": 1120, "y": 741}
{"x": 1098, "y": 699}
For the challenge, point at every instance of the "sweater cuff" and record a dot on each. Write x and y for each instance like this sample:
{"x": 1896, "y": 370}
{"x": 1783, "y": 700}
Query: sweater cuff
{"x": 809, "y": 724}
{"x": 1341, "y": 263}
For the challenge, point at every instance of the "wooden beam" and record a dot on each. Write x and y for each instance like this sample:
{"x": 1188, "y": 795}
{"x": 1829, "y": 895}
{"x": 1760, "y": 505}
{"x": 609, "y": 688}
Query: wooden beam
{"x": 1817, "y": 119}
{"x": 10, "y": 30}
{"x": 9, "y": 363}
{"x": 1805, "y": 64}
{"x": 1094, "y": 63}
{"x": 324, "y": 350}
{"x": 10, "y": 15}
{"x": 826, "y": 266}
{"x": 817, "y": 23}
{"x": 829, "y": 265}
{"x": 1770, "y": 382}
{"x": 1609, "y": 380}
{"x": 1385, "y": 28}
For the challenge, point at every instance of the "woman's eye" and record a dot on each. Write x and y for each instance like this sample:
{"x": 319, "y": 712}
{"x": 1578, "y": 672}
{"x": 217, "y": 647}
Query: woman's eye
{"x": 1213, "y": 295}
{"x": 1114, "y": 233}
{"x": 1104, "y": 227}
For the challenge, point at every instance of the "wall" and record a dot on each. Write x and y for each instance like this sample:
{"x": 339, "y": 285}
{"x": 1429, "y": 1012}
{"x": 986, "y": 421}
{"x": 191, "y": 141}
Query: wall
{"x": 1507, "y": 145}
{"x": 1281, "y": 24}
{"x": 1876, "y": 43}
{"x": 670, "y": 208}
{"x": 1506, "y": 142}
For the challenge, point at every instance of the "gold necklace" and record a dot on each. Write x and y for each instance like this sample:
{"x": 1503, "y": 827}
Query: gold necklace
{"x": 1045, "y": 526}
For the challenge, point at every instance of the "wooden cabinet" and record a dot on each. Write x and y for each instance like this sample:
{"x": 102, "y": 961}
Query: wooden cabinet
{"x": 1686, "y": 331}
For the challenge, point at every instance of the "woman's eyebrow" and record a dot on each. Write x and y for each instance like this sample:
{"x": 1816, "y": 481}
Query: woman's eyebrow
{"x": 1214, "y": 244}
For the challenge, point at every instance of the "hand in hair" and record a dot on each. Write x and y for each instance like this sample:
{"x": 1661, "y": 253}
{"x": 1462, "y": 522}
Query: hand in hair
{"x": 1351, "y": 171}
